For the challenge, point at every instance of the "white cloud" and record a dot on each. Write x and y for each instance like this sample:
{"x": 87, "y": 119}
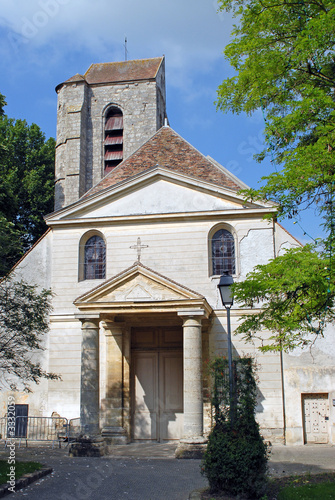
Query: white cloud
{"x": 190, "y": 33}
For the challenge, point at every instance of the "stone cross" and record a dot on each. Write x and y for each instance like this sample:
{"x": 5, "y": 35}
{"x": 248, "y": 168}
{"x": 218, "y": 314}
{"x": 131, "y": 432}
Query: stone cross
{"x": 138, "y": 247}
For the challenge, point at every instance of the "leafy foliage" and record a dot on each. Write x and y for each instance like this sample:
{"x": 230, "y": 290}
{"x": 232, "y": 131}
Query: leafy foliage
{"x": 283, "y": 52}
{"x": 23, "y": 322}
{"x": 236, "y": 457}
{"x": 10, "y": 244}
{"x": 283, "y": 55}
{"x": 26, "y": 185}
{"x": 296, "y": 295}
{"x": 2, "y": 104}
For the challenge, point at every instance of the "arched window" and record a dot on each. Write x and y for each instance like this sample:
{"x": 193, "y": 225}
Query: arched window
{"x": 94, "y": 258}
{"x": 223, "y": 253}
{"x": 113, "y": 141}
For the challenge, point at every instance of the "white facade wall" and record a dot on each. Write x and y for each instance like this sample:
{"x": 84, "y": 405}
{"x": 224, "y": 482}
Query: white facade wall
{"x": 38, "y": 258}
{"x": 309, "y": 371}
{"x": 36, "y": 269}
{"x": 178, "y": 248}
{"x": 65, "y": 359}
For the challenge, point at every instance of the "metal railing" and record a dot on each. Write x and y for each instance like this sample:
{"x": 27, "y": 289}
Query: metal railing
{"x": 54, "y": 429}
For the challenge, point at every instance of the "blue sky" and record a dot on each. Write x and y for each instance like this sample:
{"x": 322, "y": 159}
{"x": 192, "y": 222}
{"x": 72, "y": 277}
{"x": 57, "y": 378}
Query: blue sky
{"x": 44, "y": 42}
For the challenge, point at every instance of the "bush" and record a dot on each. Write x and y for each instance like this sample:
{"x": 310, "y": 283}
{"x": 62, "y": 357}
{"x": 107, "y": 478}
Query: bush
{"x": 235, "y": 461}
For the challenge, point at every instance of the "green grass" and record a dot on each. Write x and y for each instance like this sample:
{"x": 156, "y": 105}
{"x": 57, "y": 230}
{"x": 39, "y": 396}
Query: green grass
{"x": 299, "y": 487}
{"x": 323, "y": 491}
{"x": 21, "y": 468}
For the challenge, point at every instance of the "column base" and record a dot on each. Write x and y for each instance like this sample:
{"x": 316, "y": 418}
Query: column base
{"x": 86, "y": 446}
{"x": 193, "y": 447}
{"x": 114, "y": 435}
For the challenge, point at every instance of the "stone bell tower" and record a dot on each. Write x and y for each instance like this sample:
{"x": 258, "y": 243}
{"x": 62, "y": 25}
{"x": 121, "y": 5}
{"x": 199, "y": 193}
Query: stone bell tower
{"x": 103, "y": 116}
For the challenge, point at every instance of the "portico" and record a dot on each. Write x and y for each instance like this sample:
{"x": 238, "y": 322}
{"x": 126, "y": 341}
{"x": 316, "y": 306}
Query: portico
{"x": 142, "y": 343}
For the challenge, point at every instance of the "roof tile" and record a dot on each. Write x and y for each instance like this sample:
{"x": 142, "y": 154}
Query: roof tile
{"x": 116, "y": 72}
{"x": 169, "y": 150}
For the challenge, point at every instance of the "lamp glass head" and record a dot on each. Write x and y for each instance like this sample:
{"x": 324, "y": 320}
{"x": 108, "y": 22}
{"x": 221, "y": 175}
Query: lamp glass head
{"x": 225, "y": 290}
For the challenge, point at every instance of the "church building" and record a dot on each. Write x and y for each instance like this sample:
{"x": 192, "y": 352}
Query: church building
{"x": 144, "y": 226}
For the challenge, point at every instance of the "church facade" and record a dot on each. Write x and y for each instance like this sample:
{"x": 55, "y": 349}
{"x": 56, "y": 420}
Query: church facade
{"x": 143, "y": 227}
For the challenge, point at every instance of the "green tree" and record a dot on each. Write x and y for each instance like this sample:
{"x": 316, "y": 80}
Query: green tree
{"x": 10, "y": 245}
{"x": 2, "y": 104}
{"x": 283, "y": 55}
{"x": 2, "y": 146}
{"x": 26, "y": 185}
{"x": 296, "y": 296}
{"x": 23, "y": 322}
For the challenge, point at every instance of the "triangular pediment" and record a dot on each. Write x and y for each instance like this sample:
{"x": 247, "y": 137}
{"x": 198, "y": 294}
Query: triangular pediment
{"x": 137, "y": 284}
{"x": 155, "y": 192}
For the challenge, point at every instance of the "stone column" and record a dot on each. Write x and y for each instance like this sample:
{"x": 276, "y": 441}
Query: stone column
{"x": 89, "y": 388}
{"x": 193, "y": 397}
{"x": 193, "y": 443}
{"x": 113, "y": 404}
{"x": 126, "y": 381}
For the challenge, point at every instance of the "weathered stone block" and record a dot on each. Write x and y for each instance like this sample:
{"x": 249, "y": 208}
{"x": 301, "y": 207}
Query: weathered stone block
{"x": 86, "y": 446}
{"x": 191, "y": 448}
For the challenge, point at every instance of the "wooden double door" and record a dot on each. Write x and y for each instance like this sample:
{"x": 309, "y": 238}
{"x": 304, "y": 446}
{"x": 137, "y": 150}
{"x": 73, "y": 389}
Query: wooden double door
{"x": 157, "y": 384}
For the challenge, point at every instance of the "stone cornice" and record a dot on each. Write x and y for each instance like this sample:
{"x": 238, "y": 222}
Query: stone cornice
{"x": 167, "y": 217}
{"x": 130, "y": 308}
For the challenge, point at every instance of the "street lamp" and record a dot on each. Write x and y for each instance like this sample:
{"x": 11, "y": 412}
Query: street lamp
{"x": 227, "y": 299}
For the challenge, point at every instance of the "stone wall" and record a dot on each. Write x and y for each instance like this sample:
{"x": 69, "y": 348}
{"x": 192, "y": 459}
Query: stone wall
{"x": 81, "y": 114}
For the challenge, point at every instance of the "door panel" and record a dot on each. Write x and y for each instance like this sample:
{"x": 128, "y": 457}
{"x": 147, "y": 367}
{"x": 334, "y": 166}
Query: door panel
{"x": 158, "y": 395}
{"x": 316, "y": 418}
{"x": 171, "y": 395}
{"x": 21, "y": 421}
{"x": 145, "y": 396}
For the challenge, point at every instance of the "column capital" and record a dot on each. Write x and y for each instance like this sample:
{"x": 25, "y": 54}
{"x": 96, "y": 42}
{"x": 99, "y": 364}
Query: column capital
{"x": 112, "y": 328}
{"x": 87, "y": 316}
{"x": 192, "y": 317}
{"x": 191, "y": 313}
{"x": 88, "y": 320}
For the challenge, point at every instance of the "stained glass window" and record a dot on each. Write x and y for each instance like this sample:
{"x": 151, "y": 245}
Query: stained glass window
{"x": 95, "y": 259}
{"x": 223, "y": 253}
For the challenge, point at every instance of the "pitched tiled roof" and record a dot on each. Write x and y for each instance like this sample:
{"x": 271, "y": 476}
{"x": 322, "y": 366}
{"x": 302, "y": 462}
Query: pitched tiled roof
{"x": 140, "y": 69}
{"x": 169, "y": 150}
{"x": 76, "y": 78}
{"x": 116, "y": 72}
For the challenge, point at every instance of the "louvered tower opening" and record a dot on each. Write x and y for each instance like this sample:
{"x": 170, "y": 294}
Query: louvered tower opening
{"x": 113, "y": 139}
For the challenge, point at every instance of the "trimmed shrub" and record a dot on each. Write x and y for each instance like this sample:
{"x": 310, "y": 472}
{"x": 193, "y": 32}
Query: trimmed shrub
{"x": 235, "y": 461}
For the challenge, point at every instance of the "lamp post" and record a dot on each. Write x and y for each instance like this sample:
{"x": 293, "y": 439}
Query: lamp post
{"x": 227, "y": 299}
